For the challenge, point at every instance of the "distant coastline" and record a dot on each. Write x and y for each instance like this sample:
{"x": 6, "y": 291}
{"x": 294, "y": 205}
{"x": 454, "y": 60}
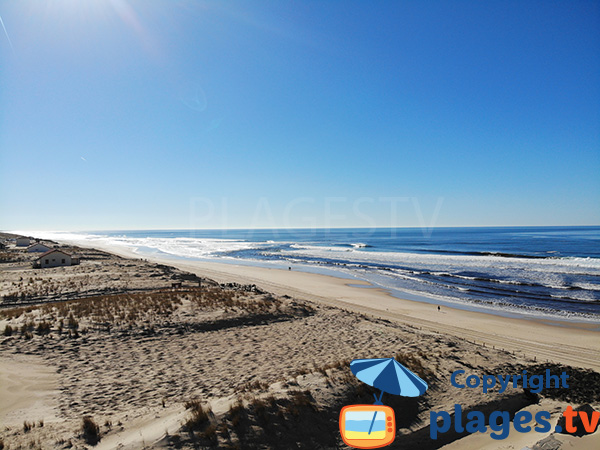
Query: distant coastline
{"x": 541, "y": 272}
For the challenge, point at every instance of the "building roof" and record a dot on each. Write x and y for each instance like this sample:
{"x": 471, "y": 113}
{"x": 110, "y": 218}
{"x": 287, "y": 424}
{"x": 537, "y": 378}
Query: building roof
{"x": 39, "y": 243}
{"x": 52, "y": 251}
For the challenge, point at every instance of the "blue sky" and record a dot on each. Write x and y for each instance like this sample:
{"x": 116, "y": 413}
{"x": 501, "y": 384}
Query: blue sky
{"x": 150, "y": 114}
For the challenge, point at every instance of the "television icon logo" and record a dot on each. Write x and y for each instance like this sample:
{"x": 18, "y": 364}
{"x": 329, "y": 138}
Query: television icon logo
{"x": 367, "y": 426}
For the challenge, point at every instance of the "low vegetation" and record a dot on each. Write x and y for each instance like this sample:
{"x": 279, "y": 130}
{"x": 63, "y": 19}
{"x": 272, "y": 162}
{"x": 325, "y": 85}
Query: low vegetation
{"x": 27, "y": 426}
{"x": 148, "y": 310}
{"x": 99, "y": 273}
{"x": 199, "y": 416}
{"x": 90, "y": 430}
{"x": 414, "y": 362}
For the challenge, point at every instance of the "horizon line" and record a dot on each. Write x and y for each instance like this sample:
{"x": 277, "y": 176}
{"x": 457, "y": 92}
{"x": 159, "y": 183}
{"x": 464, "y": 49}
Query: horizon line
{"x": 302, "y": 228}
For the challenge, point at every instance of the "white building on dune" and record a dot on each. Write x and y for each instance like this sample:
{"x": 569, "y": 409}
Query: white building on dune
{"x": 38, "y": 247}
{"x": 54, "y": 258}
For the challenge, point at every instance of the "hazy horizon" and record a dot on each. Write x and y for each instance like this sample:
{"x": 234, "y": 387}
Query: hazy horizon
{"x": 293, "y": 228}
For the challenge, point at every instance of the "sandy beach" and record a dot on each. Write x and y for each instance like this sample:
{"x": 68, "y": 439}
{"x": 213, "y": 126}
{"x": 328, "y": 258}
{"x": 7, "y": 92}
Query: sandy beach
{"x": 576, "y": 344}
{"x": 206, "y": 355}
{"x": 568, "y": 342}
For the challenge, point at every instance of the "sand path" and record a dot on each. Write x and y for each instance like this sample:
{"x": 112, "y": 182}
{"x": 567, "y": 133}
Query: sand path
{"x": 28, "y": 390}
{"x": 146, "y": 431}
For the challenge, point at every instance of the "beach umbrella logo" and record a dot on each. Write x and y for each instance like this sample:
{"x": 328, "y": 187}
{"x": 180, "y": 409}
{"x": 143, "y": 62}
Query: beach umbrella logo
{"x": 374, "y": 426}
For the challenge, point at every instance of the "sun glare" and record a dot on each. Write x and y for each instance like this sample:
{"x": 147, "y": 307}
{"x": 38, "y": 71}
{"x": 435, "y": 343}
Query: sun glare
{"x": 100, "y": 14}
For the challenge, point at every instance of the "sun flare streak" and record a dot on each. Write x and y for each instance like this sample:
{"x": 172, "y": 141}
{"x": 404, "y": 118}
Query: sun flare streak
{"x": 132, "y": 19}
{"x": 7, "y": 36}
{"x": 128, "y": 15}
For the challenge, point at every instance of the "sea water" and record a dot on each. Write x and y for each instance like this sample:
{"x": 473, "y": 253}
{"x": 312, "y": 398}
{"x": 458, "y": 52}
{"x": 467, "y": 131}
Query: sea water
{"x": 547, "y": 271}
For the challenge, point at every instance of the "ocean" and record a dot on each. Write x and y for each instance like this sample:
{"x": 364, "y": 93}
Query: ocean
{"x": 542, "y": 271}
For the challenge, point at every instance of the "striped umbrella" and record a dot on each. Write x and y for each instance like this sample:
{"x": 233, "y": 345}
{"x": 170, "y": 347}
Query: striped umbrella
{"x": 387, "y": 375}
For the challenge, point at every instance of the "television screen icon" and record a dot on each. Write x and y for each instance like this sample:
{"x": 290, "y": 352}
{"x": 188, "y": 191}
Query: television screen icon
{"x": 367, "y": 426}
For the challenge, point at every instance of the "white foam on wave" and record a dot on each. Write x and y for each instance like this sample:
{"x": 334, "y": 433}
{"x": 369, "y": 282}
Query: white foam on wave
{"x": 184, "y": 247}
{"x": 386, "y": 281}
{"x": 59, "y": 235}
{"x": 587, "y": 286}
{"x": 179, "y": 246}
{"x": 563, "y": 265}
{"x": 553, "y": 273}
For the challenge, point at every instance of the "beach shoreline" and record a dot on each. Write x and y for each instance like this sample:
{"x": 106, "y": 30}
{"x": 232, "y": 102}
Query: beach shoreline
{"x": 566, "y": 342}
{"x": 510, "y": 272}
